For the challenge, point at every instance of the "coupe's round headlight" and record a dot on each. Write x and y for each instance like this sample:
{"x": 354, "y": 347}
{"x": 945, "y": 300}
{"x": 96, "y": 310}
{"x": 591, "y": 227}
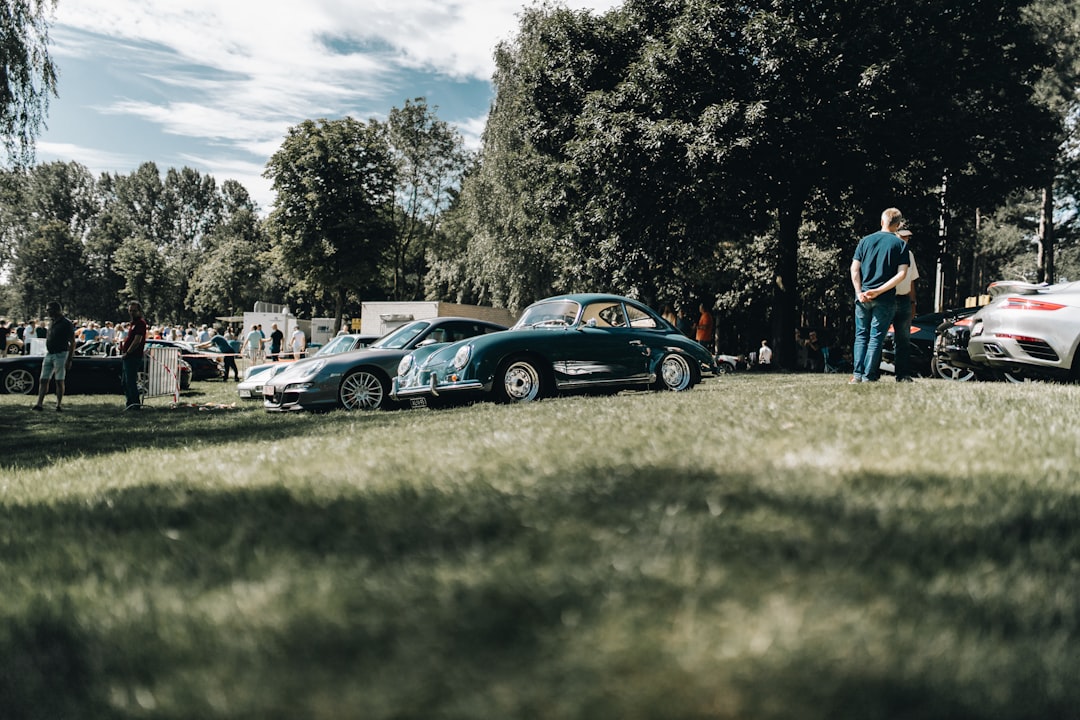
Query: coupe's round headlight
{"x": 461, "y": 357}
{"x": 405, "y": 365}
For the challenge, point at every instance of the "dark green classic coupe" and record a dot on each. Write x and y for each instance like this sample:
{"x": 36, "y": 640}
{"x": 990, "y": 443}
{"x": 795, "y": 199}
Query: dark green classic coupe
{"x": 561, "y": 344}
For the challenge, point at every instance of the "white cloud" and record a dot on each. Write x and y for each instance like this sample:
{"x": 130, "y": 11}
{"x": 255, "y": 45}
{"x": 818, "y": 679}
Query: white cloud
{"x": 94, "y": 159}
{"x": 236, "y": 74}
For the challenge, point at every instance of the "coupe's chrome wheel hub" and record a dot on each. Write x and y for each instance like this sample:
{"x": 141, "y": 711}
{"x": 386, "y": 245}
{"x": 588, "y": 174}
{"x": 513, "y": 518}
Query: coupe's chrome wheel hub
{"x": 521, "y": 382}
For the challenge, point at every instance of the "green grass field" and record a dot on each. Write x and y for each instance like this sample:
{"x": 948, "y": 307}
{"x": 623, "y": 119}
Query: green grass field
{"x": 780, "y": 546}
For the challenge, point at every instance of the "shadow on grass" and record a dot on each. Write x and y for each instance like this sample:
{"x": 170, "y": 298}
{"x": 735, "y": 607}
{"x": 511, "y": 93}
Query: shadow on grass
{"x": 559, "y": 602}
{"x": 35, "y": 440}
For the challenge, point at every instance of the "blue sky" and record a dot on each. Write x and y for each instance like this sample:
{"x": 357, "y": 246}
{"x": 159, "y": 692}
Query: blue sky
{"x": 215, "y": 84}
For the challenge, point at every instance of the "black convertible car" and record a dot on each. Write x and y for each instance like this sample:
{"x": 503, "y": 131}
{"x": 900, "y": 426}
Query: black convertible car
{"x": 89, "y": 374}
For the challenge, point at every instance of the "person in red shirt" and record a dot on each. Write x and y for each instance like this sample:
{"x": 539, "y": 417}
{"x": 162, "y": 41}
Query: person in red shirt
{"x": 705, "y": 328}
{"x": 131, "y": 350}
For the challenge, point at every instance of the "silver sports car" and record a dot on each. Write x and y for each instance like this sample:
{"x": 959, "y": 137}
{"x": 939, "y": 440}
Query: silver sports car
{"x": 360, "y": 379}
{"x": 1029, "y": 330}
{"x": 258, "y": 375}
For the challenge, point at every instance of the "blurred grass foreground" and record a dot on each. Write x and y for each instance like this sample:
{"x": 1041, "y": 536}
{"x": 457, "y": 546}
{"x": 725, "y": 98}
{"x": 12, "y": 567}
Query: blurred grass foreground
{"x": 779, "y": 546}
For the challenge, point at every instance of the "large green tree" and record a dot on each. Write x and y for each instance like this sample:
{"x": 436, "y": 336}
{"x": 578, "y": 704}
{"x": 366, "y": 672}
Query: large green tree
{"x": 49, "y": 266}
{"x": 27, "y": 74}
{"x": 640, "y": 140}
{"x": 430, "y": 158}
{"x": 237, "y": 269}
{"x": 332, "y": 217}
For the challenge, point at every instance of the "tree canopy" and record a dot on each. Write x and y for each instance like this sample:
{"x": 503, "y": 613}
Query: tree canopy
{"x": 637, "y": 148}
{"x": 332, "y": 217}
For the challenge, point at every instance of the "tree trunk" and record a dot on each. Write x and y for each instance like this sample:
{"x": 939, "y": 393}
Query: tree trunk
{"x": 1046, "y": 236}
{"x": 339, "y": 309}
{"x": 786, "y": 290}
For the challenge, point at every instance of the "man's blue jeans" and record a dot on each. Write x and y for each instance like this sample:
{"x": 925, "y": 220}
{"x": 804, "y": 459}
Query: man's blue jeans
{"x": 871, "y": 325}
{"x": 131, "y": 368}
{"x": 902, "y": 337}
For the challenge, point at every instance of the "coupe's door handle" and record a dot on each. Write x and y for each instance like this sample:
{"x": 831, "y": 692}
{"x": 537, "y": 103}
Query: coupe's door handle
{"x": 637, "y": 343}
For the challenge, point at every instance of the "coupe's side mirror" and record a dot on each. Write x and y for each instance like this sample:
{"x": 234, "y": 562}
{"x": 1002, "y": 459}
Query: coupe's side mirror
{"x": 591, "y": 323}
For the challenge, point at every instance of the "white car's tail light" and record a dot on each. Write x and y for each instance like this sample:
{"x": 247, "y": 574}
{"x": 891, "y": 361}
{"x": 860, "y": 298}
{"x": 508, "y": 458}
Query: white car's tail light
{"x": 1024, "y": 303}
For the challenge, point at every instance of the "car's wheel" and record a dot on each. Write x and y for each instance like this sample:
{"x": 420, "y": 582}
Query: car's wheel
{"x": 725, "y": 368}
{"x": 675, "y": 373}
{"x": 942, "y": 369}
{"x": 519, "y": 380}
{"x": 1014, "y": 376}
{"x": 363, "y": 390}
{"x": 19, "y": 382}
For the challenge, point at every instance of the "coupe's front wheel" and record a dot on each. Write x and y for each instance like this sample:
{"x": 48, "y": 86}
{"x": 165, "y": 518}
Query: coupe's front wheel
{"x": 19, "y": 382}
{"x": 675, "y": 374}
{"x": 363, "y": 390}
{"x": 519, "y": 381}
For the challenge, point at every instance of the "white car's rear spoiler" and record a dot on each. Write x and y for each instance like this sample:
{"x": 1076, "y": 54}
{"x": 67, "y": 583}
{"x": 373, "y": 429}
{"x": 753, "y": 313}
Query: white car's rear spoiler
{"x": 1014, "y": 287}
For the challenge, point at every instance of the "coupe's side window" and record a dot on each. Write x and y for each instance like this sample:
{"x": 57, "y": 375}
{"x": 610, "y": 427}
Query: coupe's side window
{"x": 606, "y": 314}
{"x": 461, "y": 330}
{"x": 639, "y": 318}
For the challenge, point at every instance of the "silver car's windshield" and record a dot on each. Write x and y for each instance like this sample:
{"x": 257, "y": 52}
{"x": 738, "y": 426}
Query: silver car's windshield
{"x": 556, "y": 313}
{"x": 340, "y": 344}
{"x": 397, "y": 339}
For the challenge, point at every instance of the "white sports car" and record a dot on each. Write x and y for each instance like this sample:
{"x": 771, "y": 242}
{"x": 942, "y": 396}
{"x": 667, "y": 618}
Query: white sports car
{"x": 251, "y": 387}
{"x": 1029, "y": 330}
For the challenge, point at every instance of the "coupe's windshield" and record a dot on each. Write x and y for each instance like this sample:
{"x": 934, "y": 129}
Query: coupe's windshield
{"x": 557, "y": 313}
{"x": 397, "y": 339}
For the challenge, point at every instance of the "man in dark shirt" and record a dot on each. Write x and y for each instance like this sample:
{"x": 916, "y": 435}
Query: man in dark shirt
{"x": 879, "y": 265}
{"x": 131, "y": 350}
{"x": 276, "y": 338}
{"x": 59, "y": 349}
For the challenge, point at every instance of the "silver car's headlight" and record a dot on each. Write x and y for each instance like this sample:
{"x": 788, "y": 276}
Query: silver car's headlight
{"x": 405, "y": 365}
{"x": 461, "y": 357}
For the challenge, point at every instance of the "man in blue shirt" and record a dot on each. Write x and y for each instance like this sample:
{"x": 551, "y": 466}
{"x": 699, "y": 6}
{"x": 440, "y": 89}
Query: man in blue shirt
{"x": 880, "y": 264}
{"x": 228, "y": 353}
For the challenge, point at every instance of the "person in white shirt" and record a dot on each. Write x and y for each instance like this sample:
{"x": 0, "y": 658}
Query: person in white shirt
{"x": 905, "y": 310}
{"x": 764, "y": 356}
{"x": 298, "y": 342}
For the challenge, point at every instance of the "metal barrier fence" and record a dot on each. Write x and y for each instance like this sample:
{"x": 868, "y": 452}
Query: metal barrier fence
{"x": 162, "y": 368}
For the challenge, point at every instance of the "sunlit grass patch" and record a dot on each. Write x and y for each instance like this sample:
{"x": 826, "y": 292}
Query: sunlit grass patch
{"x": 763, "y": 546}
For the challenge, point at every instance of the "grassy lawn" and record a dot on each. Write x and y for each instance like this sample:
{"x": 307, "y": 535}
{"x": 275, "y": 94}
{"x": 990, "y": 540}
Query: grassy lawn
{"x": 779, "y": 546}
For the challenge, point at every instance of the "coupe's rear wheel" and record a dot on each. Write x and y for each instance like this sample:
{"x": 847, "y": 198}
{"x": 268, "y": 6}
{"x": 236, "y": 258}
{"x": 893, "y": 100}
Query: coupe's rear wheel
{"x": 519, "y": 381}
{"x": 362, "y": 390}
{"x": 942, "y": 369}
{"x": 675, "y": 373}
{"x": 19, "y": 382}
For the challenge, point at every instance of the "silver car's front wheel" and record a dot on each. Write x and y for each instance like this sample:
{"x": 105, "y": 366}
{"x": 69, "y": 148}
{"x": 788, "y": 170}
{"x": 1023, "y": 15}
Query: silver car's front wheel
{"x": 519, "y": 381}
{"x": 362, "y": 390}
{"x": 675, "y": 374}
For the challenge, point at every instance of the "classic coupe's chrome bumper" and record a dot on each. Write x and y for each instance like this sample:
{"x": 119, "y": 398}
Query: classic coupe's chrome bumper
{"x": 434, "y": 388}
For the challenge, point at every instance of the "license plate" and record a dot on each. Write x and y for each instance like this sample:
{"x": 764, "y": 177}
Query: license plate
{"x": 418, "y": 402}
{"x": 245, "y": 393}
